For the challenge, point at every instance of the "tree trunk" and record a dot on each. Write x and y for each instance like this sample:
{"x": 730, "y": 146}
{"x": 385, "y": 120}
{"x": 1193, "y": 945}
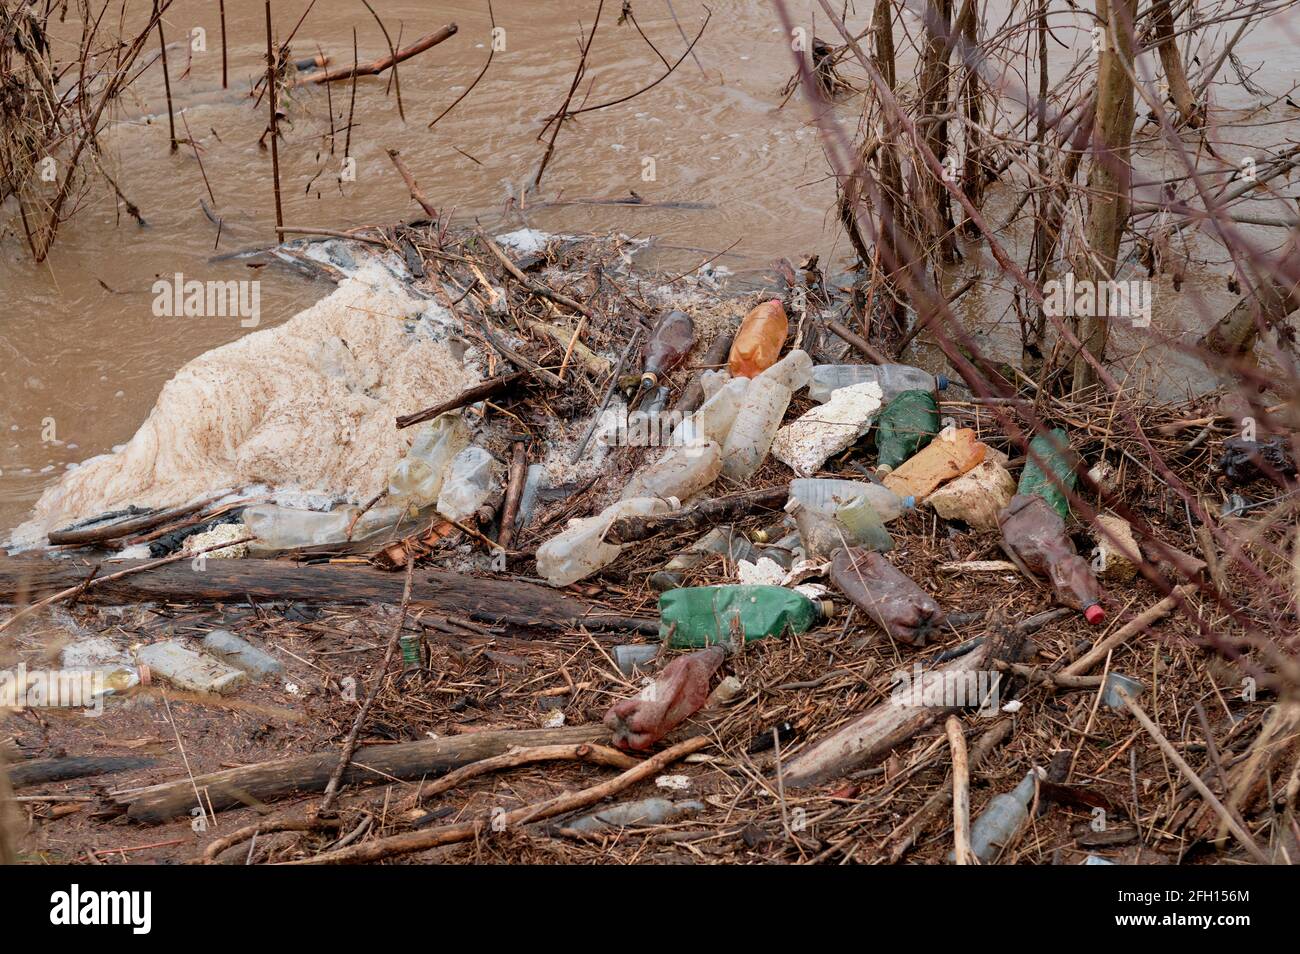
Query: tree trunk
{"x": 1110, "y": 173}
{"x": 1276, "y": 296}
{"x": 1189, "y": 113}
{"x": 935, "y": 76}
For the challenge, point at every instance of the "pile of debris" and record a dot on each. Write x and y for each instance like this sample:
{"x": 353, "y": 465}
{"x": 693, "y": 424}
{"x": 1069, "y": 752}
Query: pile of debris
{"x": 525, "y": 529}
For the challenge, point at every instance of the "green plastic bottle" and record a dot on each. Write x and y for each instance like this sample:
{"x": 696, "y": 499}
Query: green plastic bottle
{"x": 1053, "y": 449}
{"x": 907, "y": 424}
{"x": 698, "y": 616}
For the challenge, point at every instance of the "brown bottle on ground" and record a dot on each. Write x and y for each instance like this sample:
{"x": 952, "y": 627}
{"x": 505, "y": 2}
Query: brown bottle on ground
{"x": 1035, "y": 532}
{"x": 670, "y": 341}
{"x": 759, "y": 341}
{"x": 683, "y": 686}
{"x": 886, "y": 594}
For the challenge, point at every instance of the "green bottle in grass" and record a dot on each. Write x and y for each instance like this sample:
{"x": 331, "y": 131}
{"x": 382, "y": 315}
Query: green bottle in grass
{"x": 698, "y": 616}
{"x": 1053, "y": 449}
{"x": 907, "y": 424}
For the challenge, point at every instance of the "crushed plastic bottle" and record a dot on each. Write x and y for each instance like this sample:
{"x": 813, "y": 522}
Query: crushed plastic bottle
{"x": 907, "y": 424}
{"x": 950, "y": 455}
{"x": 865, "y": 526}
{"x": 759, "y": 341}
{"x": 417, "y": 477}
{"x": 759, "y": 415}
{"x": 468, "y": 482}
{"x": 1053, "y": 449}
{"x": 676, "y": 695}
{"x": 643, "y": 813}
{"x": 682, "y": 473}
{"x": 580, "y": 550}
{"x": 893, "y": 379}
{"x": 714, "y": 418}
{"x": 827, "y": 495}
{"x": 671, "y": 339}
{"x": 699, "y": 616}
{"x": 724, "y": 540}
{"x": 886, "y": 594}
{"x": 1035, "y": 532}
{"x": 284, "y": 528}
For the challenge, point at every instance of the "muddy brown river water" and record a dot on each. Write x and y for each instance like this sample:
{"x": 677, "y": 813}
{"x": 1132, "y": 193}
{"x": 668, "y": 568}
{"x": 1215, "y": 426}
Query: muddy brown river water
{"x": 82, "y": 354}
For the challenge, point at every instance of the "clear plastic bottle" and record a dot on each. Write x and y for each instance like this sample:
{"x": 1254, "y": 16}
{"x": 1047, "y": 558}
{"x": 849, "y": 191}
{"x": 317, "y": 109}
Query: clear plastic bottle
{"x": 1000, "y": 821}
{"x": 827, "y": 495}
{"x": 714, "y": 418}
{"x": 225, "y": 646}
{"x": 580, "y": 550}
{"x": 682, "y": 473}
{"x": 864, "y": 525}
{"x": 186, "y": 669}
{"x": 282, "y": 528}
{"x": 467, "y": 483}
{"x": 759, "y": 341}
{"x": 759, "y": 415}
{"x": 417, "y": 478}
{"x": 893, "y": 379}
{"x": 671, "y": 339}
{"x": 819, "y": 533}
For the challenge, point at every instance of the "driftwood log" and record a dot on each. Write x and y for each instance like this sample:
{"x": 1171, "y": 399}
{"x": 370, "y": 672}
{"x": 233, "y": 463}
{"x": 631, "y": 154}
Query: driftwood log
{"x": 40, "y": 771}
{"x": 483, "y": 599}
{"x": 371, "y": 764}
{"x": 384, "y": 62}
{"x": 876, "y": 733}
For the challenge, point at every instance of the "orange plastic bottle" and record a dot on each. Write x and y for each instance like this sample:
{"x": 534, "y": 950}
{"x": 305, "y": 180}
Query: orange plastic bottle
{"x": 759, "y": 341}
{"x": 949, "y": 455}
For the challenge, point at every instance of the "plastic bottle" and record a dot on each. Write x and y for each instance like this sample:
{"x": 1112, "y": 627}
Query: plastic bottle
{"x": 699, "y": 616}
{"x": 893, "y": 379}
{"x": 417, "y": 477}
{"x": 467, "y": 483}
{"x": 580, "y": 550}
{"x": 676, "y": 694}
{"x": 671, "y": 339}
{"x": 828, "y": 494}
{"x": 724, "y": 540}
{"x": 226, "y": 647}
{"x": 1053, "y": 449}
{"x": 759, "y": 341}
{"x": 759, "y": 415}
{"x": 819, "y": 533}
{"x": 1035, "y": 532}
{"x": 864, "y": 525}
{"x": 886, "y": 594}
{"x": 186, "y": 669}
{"x": 682, "y": 473}
{"x": 283, "y": 528}
{"x": 950, "y": 455}
{"x": 906, "y": 425}
{"x": 1000, "y": 820}
{"x": 714, "y": 418}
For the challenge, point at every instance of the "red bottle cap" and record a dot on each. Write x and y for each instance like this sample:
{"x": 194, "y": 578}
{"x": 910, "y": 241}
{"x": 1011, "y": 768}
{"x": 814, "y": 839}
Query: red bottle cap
{"x": 1094, "y": 614}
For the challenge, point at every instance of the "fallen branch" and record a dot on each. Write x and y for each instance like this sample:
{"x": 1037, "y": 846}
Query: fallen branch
{"x": 411, "y": 185}
{"x": 408, "y": 842}
{"x": 706, "y": 513}
{"x": 384, "y": 62}
{"x": 581, "y": 752}
{"x": 489, "y": 388}
{"x": 371, "y": 764}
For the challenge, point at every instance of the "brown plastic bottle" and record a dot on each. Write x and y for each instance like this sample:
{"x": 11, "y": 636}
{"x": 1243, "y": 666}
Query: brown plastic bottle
{"x": 759, "y": 341}
{"x": 886, "y": 594}
{"x": 670, "y": 341}
{"x": 1035, "y": 532}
